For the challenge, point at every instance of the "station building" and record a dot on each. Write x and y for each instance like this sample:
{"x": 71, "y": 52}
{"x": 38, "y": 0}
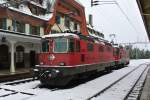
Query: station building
{"x": 24, "y": 22}
{"x": 21, "y": 28}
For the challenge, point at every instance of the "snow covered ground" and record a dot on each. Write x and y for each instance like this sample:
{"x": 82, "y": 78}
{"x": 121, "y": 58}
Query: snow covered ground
{"x": 122, "y": 88}
{"x": 81, "y": 92}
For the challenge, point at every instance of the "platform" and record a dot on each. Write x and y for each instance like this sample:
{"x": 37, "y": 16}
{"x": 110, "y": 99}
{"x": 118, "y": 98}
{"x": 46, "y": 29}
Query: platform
{"x": 20, "y": 73}
{"x": 146, "y": 90}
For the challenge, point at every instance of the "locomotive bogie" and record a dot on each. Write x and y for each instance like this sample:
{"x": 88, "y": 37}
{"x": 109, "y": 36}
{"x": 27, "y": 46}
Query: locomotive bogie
{"x": 59, "y": 76}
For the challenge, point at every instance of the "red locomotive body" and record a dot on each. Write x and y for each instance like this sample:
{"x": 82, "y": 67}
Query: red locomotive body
{"x": 67, "y": 56}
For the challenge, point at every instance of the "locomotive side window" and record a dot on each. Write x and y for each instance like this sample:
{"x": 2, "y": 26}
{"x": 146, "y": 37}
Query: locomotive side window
{"x": 78, "y": 46}
{"x": 60, "y": 45}
{"x": 45, "y": 46}
{"x": 108, "y": 49}
{"x": 71, "y": 45}
{"x": 116, "y": 52}
{"x": 90, "y": 47}
{"x": 101, "y": 49}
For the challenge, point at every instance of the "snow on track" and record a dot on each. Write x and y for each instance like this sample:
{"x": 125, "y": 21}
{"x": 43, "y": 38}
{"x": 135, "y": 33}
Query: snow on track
{"x": 81, "y": 92}
{"x": 18, "y": 96}
{"x": 135, "y": 92}
{"x": 29, "y": 87}
{"x": 122, "y": 88}
{"x": 4, "y": 92}
{"x": 84, "y": 91}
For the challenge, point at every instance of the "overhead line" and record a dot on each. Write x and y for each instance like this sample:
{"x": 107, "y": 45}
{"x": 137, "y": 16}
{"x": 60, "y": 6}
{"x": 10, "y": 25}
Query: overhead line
{"x": 136, "y": 43}
{"x": 126, "y": 16}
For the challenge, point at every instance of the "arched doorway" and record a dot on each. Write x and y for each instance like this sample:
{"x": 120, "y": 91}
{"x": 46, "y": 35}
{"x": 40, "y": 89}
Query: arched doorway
{"x": 19, "y": 56}
{"x": 4, "y": 56}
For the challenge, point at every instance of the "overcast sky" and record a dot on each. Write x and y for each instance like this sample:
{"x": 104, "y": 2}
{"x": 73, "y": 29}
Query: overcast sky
{"x": 110, "y": 19}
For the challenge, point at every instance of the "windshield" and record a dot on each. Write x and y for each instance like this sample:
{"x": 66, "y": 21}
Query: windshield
{"x": 60, "y": 45}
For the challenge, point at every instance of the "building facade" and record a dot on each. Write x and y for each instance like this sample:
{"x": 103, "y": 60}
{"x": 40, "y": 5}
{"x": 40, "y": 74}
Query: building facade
{"x": 21, "y": 27}
{"x": 24, "y": 22}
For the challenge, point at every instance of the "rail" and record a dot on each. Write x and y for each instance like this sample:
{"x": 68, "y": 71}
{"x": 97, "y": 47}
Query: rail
{"x": 108, "y": 87}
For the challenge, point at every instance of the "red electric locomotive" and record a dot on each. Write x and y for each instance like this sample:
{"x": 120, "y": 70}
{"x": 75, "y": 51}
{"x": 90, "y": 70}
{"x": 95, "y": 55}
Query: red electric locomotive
{"x": 66, "y": 56}
{"x": 121, "y": 56}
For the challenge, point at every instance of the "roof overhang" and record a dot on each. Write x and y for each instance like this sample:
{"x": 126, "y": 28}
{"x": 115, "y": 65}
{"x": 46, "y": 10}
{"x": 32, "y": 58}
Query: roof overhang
{"x": 144, "y": 6}
{"x": 20, "y": 37}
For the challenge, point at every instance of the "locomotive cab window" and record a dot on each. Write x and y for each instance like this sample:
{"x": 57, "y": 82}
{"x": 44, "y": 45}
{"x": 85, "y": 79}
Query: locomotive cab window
{"x": 60, "y": 45}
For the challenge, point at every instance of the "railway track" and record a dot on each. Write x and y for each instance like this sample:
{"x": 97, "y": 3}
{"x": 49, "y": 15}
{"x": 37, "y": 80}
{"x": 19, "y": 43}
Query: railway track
{"x": 17, "y": 81}
{"x": 6, "y": 94}
{"x": 30, "y": 89}
{"x": 25, "y": 89}
{"x": 9, "y": 90}
{"x": 12, "y": 92}
{"x": 132, "y": 94}
{"x": 135, "y": 91}
{"x": 20, "y": 81}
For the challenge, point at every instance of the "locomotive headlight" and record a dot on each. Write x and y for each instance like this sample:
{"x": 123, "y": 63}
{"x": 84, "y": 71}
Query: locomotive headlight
{"x": 37, "y": 65}
{"x": 57, "y": 71}
{"x": 62, "y": 64}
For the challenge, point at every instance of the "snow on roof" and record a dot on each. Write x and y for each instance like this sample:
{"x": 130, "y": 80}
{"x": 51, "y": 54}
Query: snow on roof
{"x": 116, "y": 45}
{"x": 23, "y": 8}
{"x": 89, "y": 26}
{"x": 36, "y": 4}
{"x": 3, "y": 1}
{"x": 26, "y": 11}
{"x": 61, "y": 35}
{"x": 79, "y": 2}
{"x": 94, "y": 35}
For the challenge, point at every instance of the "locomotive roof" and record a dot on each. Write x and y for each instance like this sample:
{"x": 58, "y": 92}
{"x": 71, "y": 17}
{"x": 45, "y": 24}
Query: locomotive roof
{"x": 78, "y": 36}
{"x": 61, "y": 35}
{"x": 116, "y": 45}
